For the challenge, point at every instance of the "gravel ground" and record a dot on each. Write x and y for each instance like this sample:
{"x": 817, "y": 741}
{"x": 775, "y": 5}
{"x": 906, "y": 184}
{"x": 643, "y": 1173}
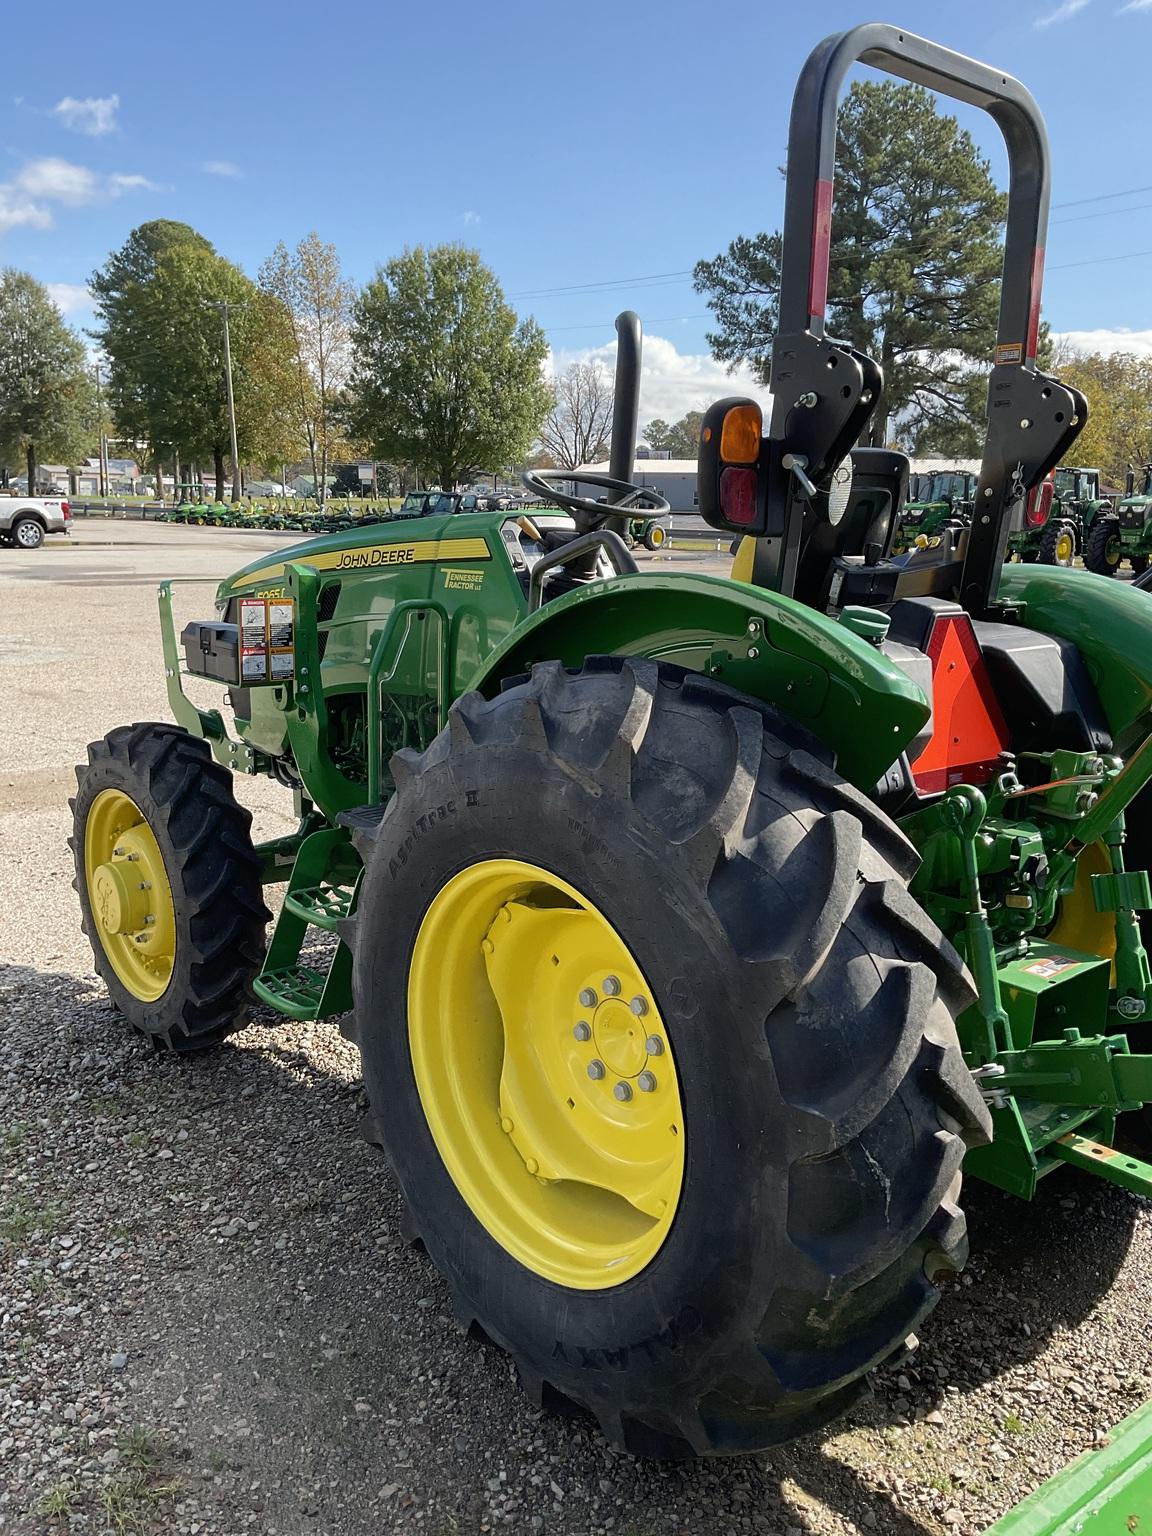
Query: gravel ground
{"x": 210, "y": 1324}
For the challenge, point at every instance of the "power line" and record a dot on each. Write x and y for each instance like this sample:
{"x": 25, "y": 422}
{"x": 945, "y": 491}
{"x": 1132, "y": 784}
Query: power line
{"x": 607, "y": 282}
{"x": 605, "y": 325}
{"x": 1102, "y": 197}
{"x": 653, "y": 277}
{"x": 1096, "y": 261}
{"x": 1107, "y": 213}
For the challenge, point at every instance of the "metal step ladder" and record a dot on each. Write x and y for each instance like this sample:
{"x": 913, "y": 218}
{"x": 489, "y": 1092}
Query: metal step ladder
{"x": 322, "y": 891}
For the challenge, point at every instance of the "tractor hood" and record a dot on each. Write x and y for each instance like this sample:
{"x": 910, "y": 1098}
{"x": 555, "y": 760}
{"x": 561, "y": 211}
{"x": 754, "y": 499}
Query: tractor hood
{"x": 401, "y": 541}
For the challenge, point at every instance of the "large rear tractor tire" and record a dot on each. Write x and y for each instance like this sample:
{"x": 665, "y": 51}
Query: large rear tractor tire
{"x": 1102, "y": 548}
{"x": 662, "y": 1053}
{"x": 169, "y": 884}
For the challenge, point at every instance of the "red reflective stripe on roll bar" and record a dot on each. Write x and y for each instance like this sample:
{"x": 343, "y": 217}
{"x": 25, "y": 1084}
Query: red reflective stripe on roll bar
{"x": 1034, "y": 302}
{"x": 821, "y": 243}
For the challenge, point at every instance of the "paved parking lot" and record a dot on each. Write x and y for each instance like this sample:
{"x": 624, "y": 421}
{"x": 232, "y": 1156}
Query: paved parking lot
{"x": 209, "y": 1321}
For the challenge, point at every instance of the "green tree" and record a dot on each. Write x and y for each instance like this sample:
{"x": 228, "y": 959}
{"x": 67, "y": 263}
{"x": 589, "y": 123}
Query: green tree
{"x": 46, "y": 393}
{"x": 445, "y": 377}
{"x": 681, "y": 440}
{"x": 139, "y": 391}
{"x": 317, "y": 301}
{"x": 162, "y": 332}
{"x": 915, "y": 261}
{"x": 1118, "y": 388}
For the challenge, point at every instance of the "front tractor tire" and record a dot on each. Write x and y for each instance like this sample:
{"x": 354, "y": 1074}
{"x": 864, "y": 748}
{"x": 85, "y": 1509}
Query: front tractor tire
{"x": 1057, "y": 544}
{"x": 1103, "y": 551}
{"x": 662, "y": 1053}
{"x": 169, "y": 884}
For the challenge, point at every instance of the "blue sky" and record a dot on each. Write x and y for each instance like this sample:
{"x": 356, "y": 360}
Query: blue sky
{"x": 609, "y": 144}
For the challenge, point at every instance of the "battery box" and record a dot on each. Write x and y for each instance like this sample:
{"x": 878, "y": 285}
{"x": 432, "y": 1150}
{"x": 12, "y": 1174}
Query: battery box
{"x": 212, "y": 649}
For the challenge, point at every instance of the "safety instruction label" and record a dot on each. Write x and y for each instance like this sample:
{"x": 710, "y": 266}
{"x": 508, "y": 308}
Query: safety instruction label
{"x": 1051, "y": 965}
{"x": 267, "y": 639}
{"x": 1010, "y": 352}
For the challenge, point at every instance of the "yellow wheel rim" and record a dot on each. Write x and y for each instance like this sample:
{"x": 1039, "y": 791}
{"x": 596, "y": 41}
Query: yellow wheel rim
{"x": 658, "y": 536}
{"x": 546, "y": 1074}
{"x": 129, "y": 894}
{"x": 1065, "y": 548}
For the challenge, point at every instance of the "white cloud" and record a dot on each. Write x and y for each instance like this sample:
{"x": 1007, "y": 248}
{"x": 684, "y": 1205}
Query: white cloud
{"x": 26, "y": 200}
{"x": 57, "y": 181}
{"x": 69, "y": 298}
{"x": 1062, "y": 13}
{"x": 1107, "y": 341}
{"x": 17, "y": 212}
{"x": 470, "y": 217}
{"x": 118, "y": 183}
{"x": 93, "y": 115}
{"x": 221, "y": 168}
{"x": 672, "y": 383}
{"x": 1135, "y": 5}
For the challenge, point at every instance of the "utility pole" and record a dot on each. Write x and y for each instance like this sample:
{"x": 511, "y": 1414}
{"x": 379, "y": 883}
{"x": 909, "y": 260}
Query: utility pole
{"x": 225, "y": 309}
{"x": 103, "y": 439}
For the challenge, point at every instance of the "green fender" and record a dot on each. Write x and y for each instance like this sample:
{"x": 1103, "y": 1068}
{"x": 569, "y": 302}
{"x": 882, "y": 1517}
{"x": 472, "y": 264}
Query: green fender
{"x": 1109, "y": 621}
{"x": 801, "y": 662}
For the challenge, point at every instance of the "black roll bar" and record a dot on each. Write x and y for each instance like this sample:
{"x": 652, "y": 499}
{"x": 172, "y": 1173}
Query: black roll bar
{"x": 1031, "y": 419}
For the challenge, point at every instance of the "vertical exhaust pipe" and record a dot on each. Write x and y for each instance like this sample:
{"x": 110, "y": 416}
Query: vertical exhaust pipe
{"x": 625, "y": 405}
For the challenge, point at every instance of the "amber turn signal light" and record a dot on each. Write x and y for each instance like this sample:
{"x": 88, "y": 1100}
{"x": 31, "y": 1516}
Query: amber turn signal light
{"x": 741, "y": 433}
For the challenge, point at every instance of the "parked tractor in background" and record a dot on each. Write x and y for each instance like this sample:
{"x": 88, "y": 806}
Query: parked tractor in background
{"x": 942, "y": 499}
{"x": 693, "y": 931}
{"x": 1065, "y": 516}
{"x": 1134, "y": 522}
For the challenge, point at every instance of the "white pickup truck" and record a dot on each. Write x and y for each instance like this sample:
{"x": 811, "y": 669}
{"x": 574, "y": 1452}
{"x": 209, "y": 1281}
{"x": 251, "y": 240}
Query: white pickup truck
{"x": 24, "y": 520}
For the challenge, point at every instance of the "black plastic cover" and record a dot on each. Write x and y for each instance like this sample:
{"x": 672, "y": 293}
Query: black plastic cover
{"x": 212, "y": 649}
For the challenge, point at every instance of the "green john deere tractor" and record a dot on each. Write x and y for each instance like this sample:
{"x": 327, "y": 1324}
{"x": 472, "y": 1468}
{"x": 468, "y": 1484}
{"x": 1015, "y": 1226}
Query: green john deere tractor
{"x": 695, "y": 932}
{"x": 1065, "y": 516}
{"x": 943, "y": 499}
{"x": 1133, "y": 530}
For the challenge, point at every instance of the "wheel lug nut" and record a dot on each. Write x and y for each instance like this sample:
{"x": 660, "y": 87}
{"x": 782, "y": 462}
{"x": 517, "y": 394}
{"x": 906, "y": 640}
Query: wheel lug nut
{"x": 596, "y": 1070}
{"x": 654, "y": 1045}
{"x": 611, "y": 986}
{"x": 583, "y": 1030}
{"x": 506, "y": 1126}
{"x": 623, "y": 1092}
{"x": 646, "y": 1082}
{"x": 149, "y": 918}
{"x": 639, "y": 1006}
{"x": 588, "y": 998}
{"x": 117, "y": 853}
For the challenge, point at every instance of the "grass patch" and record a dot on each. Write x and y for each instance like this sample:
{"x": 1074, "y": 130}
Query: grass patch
{"x": 132, "y": 1505}
{"x": 139, "y": 1448}
{"x": 12, "y": 1138}
{"x": 20, "y": 1218}
{"x": 60, "y": 1500}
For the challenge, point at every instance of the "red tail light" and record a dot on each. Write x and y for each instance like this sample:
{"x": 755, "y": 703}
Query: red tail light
{"x": 66, "y": 509}
{"x": 738, "y": 495}
{"x": 1039, "y": 504}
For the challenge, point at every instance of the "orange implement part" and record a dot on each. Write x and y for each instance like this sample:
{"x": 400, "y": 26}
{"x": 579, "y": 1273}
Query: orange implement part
{"x": 968, "y": 730}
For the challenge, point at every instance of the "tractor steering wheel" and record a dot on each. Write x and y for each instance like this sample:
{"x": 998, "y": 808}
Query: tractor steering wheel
{"x": 636, "y": 501}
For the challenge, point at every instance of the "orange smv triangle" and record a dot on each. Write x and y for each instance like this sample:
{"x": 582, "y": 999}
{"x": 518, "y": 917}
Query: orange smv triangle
{"x": 968, "y": 730}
